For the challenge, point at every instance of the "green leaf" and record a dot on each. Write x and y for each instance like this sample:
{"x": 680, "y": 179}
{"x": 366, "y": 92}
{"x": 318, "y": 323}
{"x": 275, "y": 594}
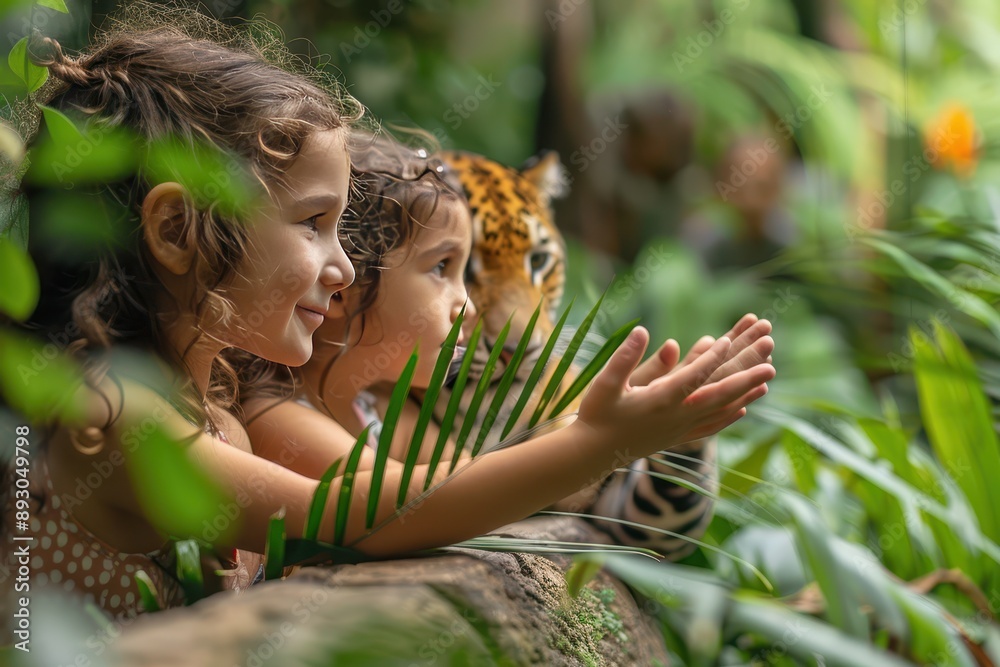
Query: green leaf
{"x": 582, "y": 572}
{"x": 958, "y": 420}
{"x": 437, "y": 381}
{"x": 346, "y": 486}
{"x": 506, "y": 381}
{"x": 274, "y": 549}
{"x": 210, "y": 176}
{"x": 395, "y": 408}
{"x": 931, "y": 280}
{"x": 93, "y": 154}
{"x": 566, "y": 361}
{"x": 318, "y": 505}
{"x": 147, "y": 592}
{"x": 21, "y": 289}
{"x": 178, "y": 496}
{"x": 536, "y": 372}
{"x": 39, "y": 381}
{"x": 31, "y": 74}
{"x": 63, "y": 130}
{"x": 447, "y": 424}
{"x": 593, "y": 368}
{"x": 477, "y": 396}
{"x": 841, "y": 605}
{"x": 58, "y": 5}
{"x": 189, "y": 570}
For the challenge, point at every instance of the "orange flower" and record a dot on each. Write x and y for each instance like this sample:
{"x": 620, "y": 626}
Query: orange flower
{"x": 951, "y": 140}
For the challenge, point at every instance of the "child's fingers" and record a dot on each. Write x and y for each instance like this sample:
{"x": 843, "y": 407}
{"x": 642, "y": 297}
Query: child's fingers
{"x": 752, "y": 355}
{"x": 750, "y": 336}
{"x": 718, "y": 394}
{"x": 611, "y": 381}
{"x": 741, "y": 326}
{"x": 657, "y": 365}
{"x": 717, "y": 425}
{"x": 689, "y": 379}
{"x": 701, "y": 346}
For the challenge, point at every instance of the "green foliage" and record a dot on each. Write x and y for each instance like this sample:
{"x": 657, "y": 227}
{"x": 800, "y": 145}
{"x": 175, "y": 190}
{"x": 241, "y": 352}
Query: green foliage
{"x": 17, "y": 273}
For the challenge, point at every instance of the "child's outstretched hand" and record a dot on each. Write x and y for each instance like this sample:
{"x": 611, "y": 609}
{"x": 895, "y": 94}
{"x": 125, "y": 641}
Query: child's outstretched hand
{"x": 676, "y": 407}
{"x": 751, "y": 345}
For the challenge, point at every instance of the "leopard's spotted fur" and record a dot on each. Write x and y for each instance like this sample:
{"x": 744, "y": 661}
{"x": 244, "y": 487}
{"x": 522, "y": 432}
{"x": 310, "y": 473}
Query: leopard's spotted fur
{"x": 519, "y": 259}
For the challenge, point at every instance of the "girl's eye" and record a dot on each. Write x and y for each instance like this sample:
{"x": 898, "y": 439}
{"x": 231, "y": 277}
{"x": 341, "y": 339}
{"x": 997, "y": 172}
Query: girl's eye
{"x": 311, "y": 223}
{"x": 441, "y": 266}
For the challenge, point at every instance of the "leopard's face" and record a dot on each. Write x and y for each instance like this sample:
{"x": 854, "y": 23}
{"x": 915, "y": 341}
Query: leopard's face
{"x": 518, "y": 255}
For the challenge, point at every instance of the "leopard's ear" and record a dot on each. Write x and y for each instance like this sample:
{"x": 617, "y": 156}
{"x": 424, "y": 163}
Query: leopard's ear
{"x": 546, "y": 173}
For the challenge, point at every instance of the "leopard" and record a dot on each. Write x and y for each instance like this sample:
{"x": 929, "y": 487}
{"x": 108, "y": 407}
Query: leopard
{"x": 518, "y": 261}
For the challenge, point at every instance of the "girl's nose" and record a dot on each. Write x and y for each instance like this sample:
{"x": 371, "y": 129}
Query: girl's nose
{"x": 338, "y": 272}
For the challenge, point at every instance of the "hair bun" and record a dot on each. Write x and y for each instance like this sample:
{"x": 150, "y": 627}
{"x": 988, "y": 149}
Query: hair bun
{"x": 60, "y": 65}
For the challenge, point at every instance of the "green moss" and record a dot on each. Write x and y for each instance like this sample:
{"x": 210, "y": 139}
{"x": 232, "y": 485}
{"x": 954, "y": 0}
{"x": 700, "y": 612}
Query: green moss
{"x": 589, "y": 613}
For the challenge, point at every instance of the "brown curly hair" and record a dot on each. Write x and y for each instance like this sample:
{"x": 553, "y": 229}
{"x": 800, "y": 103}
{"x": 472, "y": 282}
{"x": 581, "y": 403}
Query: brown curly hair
{"x": 398, "y": 188}
{"x": 173, "y": 73}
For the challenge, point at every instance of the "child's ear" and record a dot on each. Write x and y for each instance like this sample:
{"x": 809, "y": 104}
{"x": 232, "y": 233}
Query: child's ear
{"x": 166, "y": 228}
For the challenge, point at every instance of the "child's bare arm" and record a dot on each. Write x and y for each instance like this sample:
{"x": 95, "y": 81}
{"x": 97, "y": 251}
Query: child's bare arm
{"x": 503, "y": 486}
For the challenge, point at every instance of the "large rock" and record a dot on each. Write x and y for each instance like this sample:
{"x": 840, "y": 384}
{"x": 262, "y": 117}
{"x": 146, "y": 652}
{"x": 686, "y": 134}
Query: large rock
{"x": 468, "y": 608}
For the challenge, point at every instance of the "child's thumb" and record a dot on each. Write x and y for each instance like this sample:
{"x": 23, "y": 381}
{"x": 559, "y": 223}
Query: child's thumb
{"x": 611, "y": 381}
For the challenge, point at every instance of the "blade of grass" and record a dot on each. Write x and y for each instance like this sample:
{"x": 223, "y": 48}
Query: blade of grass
{"x": 477, "y": 398}
{"x": 318, "y": 504}
{"x": 392, "y": 412}
{"x": 448, "y": 423}
{"x": 593, "y": 368}
{"x": 663, "y": 531}
{"x": 346, "y": 486}
{"x": 566, "y": 361}
{"x": 147, "y": 592}
{"x": 274, "y": 549}
{"x": 430, "y": 398}
{"x": 189, "y": 570}
{"x": 536, "y": 372}
{"x": 506, "y": 381}
{"x": 958, "y": 420}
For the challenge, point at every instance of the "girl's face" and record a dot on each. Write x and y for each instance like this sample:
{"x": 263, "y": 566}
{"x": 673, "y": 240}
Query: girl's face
{"x": 419, "y": 296}
{"x": 296, "y": 263}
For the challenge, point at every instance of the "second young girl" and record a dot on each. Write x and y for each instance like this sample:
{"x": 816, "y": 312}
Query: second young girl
{"x": 409, "y": 236}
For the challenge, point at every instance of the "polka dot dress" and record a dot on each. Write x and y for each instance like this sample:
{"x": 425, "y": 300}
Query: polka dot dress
{"x": 67, "y": 557}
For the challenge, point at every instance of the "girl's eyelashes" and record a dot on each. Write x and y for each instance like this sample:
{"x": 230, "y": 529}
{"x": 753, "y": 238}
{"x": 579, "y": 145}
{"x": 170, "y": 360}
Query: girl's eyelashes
{"x": 310, "y": 223}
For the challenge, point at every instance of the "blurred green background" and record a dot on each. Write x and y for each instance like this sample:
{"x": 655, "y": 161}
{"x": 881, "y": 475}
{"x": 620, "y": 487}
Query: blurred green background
{"x": 830, "y": 165}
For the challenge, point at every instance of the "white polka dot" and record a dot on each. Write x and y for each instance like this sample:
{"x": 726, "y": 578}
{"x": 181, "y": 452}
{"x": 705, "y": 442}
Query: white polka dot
{"x": 41, "y": 578}
{"x": 61, "y": 539}
{"x": 77, "y": 550}
{"x": 115, "y": 600}
{"x": 55, "y": 576}
{"x": 129, "y": 599}
{"x": 71, "y": 566}
{"x": 109, "y": 565}
{"x": 69, "y": 584}
{"x": 130, "y": 567}
{"x": 36, "y": 525}
{"x": 57, "y": 556}
{"x": 56, "y": 502}
{"x": 87, "y": 562}
{"x": 88, "y": 581}
{"x": 126, "y": 581}
{"x": 51, "y": 528}
{"x": 36, "y": 562}
{"x": 46, "y": 542}
{"x": 104, "y": 578}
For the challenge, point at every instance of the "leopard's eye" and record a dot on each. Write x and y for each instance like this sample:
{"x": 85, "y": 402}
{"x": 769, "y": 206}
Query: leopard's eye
{"x": 538, "y": 261}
